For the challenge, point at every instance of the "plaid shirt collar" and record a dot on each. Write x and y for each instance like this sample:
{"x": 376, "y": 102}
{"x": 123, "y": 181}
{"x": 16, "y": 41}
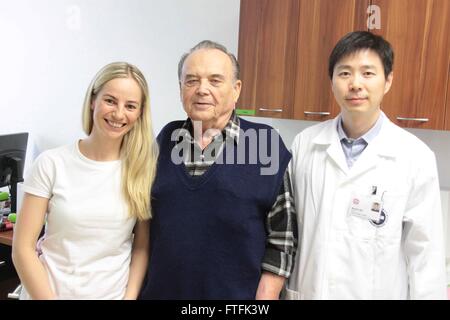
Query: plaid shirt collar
{"x": 231, "y": 130}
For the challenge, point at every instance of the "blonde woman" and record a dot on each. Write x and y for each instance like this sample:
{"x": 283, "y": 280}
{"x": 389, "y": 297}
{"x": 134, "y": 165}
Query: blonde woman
{"x": 95, "y": 197}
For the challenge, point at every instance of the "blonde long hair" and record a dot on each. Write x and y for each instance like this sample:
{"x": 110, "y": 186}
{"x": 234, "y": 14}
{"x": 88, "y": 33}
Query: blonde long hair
{"x": 139, "y": 150}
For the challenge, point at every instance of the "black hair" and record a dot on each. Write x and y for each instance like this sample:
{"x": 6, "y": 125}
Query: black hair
{"x": 360, "y": 40}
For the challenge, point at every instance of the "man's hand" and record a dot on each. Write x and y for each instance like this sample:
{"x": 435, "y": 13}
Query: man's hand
{"x": 270, "y": 286}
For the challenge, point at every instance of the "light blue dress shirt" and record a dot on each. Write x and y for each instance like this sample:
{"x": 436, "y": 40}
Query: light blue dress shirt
{"x": 353, "y": 148}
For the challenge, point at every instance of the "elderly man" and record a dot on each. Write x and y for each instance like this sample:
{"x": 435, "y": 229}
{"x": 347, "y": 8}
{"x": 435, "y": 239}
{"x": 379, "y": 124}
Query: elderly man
{"x": 224, "y": 222}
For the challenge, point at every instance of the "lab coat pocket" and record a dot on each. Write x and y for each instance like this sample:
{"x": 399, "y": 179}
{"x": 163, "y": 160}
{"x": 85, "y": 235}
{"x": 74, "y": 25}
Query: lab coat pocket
{"x": 393, "y": 210}
{"x": 360, "y": 228}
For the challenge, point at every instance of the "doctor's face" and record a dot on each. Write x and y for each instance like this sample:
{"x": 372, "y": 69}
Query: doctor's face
{"x": 359, "y": 83}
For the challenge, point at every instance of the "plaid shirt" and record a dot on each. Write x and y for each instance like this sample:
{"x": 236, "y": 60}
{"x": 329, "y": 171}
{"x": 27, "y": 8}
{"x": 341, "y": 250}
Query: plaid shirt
{"x": 281, "y": 223}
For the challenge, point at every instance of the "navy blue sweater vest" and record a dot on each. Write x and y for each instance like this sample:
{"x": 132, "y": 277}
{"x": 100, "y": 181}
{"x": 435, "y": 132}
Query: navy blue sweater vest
{"x": 207, "y": 235}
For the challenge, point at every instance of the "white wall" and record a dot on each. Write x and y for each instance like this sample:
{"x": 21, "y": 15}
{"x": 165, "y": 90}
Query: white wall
{"x": 51, "y": 49}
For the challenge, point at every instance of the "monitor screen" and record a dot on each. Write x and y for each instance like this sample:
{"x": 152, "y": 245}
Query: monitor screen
{"x": 13, "y": 148}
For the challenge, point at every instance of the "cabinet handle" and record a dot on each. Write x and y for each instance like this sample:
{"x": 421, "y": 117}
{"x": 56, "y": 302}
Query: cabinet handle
{"x": 414, "y": 119}
{"x": 317, "y": 113}
{"x": 270, "y": 110}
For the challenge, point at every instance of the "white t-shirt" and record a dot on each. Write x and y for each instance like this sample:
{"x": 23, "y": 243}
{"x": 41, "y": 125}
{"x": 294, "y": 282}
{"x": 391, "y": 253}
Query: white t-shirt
{"x": 86, "y": 249}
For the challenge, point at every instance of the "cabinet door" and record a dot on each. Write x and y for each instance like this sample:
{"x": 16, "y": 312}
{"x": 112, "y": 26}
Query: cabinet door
{"x": 250, "y": 17}
{"x": 322, "y": 23}
{"x": 418, "y": 31}
{"x": 267, "y": 53}
{"x": 447, "y": 105}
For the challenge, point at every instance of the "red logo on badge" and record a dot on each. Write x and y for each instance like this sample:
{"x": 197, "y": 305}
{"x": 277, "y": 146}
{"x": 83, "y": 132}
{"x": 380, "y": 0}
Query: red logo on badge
{"x": 355, "y": 201}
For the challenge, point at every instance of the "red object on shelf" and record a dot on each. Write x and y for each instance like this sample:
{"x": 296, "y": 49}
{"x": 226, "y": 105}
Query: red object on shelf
{"x": 5, "y": 226}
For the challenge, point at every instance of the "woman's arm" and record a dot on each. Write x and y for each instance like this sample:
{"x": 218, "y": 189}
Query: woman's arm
{"x": 29, "y": 224}
{"x": 139, "y": 259}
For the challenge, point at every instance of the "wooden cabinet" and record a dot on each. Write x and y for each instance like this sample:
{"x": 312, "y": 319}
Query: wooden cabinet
{"x": 267, "y": 45}
{"x": 250, "y": 16}
{"x": 284, "y": 47}
{"x": 447, "y": 110}
{"x": 418, "y": 31}
{"x": 322, "y": 23}
{"x": 283, "y": 51}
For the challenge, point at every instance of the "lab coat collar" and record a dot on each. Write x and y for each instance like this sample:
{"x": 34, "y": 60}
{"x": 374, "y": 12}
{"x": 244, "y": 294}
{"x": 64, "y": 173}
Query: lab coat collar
{"x": 329, "y": 136}
{"x": 383, "y": 145}
{"x": 386, "y": 141}
{"x": 329, "y": 133}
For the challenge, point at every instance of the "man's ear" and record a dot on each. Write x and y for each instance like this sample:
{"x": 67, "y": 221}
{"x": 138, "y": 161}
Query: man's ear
{"x": 181, "y": 92}
{"x": 331, "y": 85}
{"x": 388, "y": 84}
{"x": 237, "y": 90}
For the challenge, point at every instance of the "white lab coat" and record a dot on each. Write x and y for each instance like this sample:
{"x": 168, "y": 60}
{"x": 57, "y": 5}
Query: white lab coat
{"x": 341, "y": 256}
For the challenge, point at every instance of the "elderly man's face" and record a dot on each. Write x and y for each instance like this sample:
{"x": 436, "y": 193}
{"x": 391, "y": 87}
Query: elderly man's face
{"x": 208, "y": 90}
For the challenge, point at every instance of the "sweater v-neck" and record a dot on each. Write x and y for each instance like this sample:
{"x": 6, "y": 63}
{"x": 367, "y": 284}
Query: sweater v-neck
{"x": 196, "y": 182}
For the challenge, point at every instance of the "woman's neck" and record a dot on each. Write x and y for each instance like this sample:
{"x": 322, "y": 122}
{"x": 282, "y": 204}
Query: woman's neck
{"x": 98, "y": 149}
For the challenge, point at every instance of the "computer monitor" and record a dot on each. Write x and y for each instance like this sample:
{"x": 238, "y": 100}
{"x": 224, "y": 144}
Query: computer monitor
{"x": 13, "y": 148}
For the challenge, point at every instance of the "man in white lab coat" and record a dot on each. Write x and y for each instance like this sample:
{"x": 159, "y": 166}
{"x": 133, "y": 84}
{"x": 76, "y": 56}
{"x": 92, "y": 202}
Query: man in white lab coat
{"x": 367, "y": 192}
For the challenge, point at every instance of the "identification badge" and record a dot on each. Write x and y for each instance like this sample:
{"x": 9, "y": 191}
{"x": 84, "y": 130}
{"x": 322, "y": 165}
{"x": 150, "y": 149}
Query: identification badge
{"x": 367, "y": 207}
